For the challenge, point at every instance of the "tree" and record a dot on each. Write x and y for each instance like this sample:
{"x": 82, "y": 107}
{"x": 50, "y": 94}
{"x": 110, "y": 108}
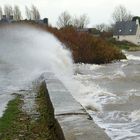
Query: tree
{"x": 75, "y": 22}
{"x": 121, "y": 14}
{"x": 1, "y": 12}
{"x": 83, "y": 21}
{"x": 35, "y": 15}
{"x": 17, "y": 13}
{"x": 64, "y": 20}
{"x": 80, "y": 22}
{"x": 102, "y": 27}
{"x": 28, "y": 13}
{"x": 8, "y": 10}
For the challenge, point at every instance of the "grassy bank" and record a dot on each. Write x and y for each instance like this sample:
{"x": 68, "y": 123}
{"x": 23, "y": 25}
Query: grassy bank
{"x": 9, "y": 123}
{"x": 17, "y": 125}
{"x": 124, "y": 45}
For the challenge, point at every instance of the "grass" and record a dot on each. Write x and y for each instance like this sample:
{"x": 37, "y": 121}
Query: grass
{"x": 10, "y": 115}
{"x": 17, "y": 125}
{"x": 47, "y": 119}
{"x": 9, "y": 124}
{"x": 124, "y": 45}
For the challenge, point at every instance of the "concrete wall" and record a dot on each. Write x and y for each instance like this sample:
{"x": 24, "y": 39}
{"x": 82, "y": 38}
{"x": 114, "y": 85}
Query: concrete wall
{"x": 75, "y": 122}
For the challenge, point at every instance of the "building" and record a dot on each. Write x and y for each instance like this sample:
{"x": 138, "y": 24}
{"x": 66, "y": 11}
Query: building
{"x": 5, "y": 20}
{"x": 39, "y": 21}
{"x": 92, "y": 31}
{"x": 10, "y": 19}
{"x": 128, "y": 31}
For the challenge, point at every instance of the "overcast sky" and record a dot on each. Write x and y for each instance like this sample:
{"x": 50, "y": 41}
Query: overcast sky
{"x": 98, "y": 11}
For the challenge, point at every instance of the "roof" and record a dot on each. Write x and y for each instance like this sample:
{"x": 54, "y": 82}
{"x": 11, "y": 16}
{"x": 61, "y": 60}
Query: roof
{"x": 82, "y": 29}
{"x": 125, "y": 28}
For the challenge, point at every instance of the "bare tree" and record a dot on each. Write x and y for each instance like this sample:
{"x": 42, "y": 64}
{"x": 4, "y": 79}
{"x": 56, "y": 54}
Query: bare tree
{"x": 17, "y": 13}
{"x": 1, "y": 12}
{"x": 80, "y": 22}
{"x": 102, "y": 27}
{"x": 75, "y": 22}
{"x": 83, "y": 21}
{"x": 35, "y": 13}
{"x": 8, "y": 10}
{"x": 121, "y": 14}
{"x": 28, "y": 13}
{"x": 64, "y": 20}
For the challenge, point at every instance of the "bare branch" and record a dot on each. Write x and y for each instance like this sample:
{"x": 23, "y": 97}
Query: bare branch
{"x": 1, "y": 12}
{"x": 35, "y": 13}
{"x": 17, "y": 13}
{"x": 64, "y": 20}
{"x": 121, "y": 14}
{"x": 8, "y": 10}
{"x": 28, "y": 13}
{"x": 83, "y": 21}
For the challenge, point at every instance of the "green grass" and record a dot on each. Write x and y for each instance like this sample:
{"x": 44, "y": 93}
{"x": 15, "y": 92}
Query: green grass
{"x": 9, "y": 123}
{"x": 17, "y": 125}
{"x": 10, "y": 115}
{"x": 123, "y": 47}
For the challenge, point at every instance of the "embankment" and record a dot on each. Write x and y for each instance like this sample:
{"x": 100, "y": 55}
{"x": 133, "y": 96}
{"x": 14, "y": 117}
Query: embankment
{"x": 72, "y": 117}
{"x": 20, "y": 124}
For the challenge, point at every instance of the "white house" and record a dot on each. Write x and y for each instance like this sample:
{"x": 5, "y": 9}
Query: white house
{"x": 127, "y": 30}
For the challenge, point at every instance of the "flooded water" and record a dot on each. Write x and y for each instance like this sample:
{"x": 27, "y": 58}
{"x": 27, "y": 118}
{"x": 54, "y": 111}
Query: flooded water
{"x": 112, "y": 95}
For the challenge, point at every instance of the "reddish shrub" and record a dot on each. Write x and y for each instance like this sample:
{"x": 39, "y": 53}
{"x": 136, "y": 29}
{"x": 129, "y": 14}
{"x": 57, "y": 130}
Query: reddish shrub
{"x": 87, "y": 48}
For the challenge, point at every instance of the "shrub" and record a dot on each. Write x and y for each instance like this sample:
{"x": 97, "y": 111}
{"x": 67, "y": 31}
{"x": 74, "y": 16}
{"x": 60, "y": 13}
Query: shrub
{"x": 87, "y": 48}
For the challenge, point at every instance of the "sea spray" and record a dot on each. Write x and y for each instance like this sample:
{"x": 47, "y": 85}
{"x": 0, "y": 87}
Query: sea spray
{"x": 25, "y": 53}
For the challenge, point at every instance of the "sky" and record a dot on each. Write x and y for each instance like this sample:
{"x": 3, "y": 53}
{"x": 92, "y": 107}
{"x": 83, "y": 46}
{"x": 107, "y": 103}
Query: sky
{"x": 98, "y": 11}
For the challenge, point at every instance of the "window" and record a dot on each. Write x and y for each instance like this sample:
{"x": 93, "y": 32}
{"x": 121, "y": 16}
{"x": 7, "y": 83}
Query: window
{"x": 120, "y": 30}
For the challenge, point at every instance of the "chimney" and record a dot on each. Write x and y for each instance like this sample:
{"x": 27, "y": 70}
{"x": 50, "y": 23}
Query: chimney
{"x": 137, "y": 22}
{"x": 45, "y": 21}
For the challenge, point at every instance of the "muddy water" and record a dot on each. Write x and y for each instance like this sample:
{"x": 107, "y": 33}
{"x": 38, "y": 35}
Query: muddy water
{"x": 113, "y": 95}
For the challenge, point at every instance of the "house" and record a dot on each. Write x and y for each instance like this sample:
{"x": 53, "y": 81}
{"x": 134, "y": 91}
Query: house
{"x": 128, "y": 31}
{"x": 92, "y": 31}
{"x": 5, "y": 20}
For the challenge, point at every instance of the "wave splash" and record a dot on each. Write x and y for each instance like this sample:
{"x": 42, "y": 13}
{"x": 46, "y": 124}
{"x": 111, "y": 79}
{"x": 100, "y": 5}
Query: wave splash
{"x": 25, "y": 53}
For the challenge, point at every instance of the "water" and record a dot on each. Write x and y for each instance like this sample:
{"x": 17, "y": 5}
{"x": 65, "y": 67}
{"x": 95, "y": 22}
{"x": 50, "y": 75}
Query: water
{"x": 110, "y": 93}
{"x": 26, "y": 53}
{"x": 113, "y": 96}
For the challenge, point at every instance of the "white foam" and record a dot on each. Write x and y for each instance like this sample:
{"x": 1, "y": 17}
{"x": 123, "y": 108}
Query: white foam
{"x": 132, "y": 57}
{"x": 117, "y": 123}
{"x": 119, "y": 73}
{"x": 135, "y": 115}
{"x": 26, "y": 53}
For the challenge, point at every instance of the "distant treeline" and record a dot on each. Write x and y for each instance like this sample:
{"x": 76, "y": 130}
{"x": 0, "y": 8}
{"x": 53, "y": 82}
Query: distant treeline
{"x": 8, "y": 11}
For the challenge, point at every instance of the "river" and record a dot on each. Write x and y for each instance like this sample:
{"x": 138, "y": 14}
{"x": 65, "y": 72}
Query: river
{"x": 112, "y": 95}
